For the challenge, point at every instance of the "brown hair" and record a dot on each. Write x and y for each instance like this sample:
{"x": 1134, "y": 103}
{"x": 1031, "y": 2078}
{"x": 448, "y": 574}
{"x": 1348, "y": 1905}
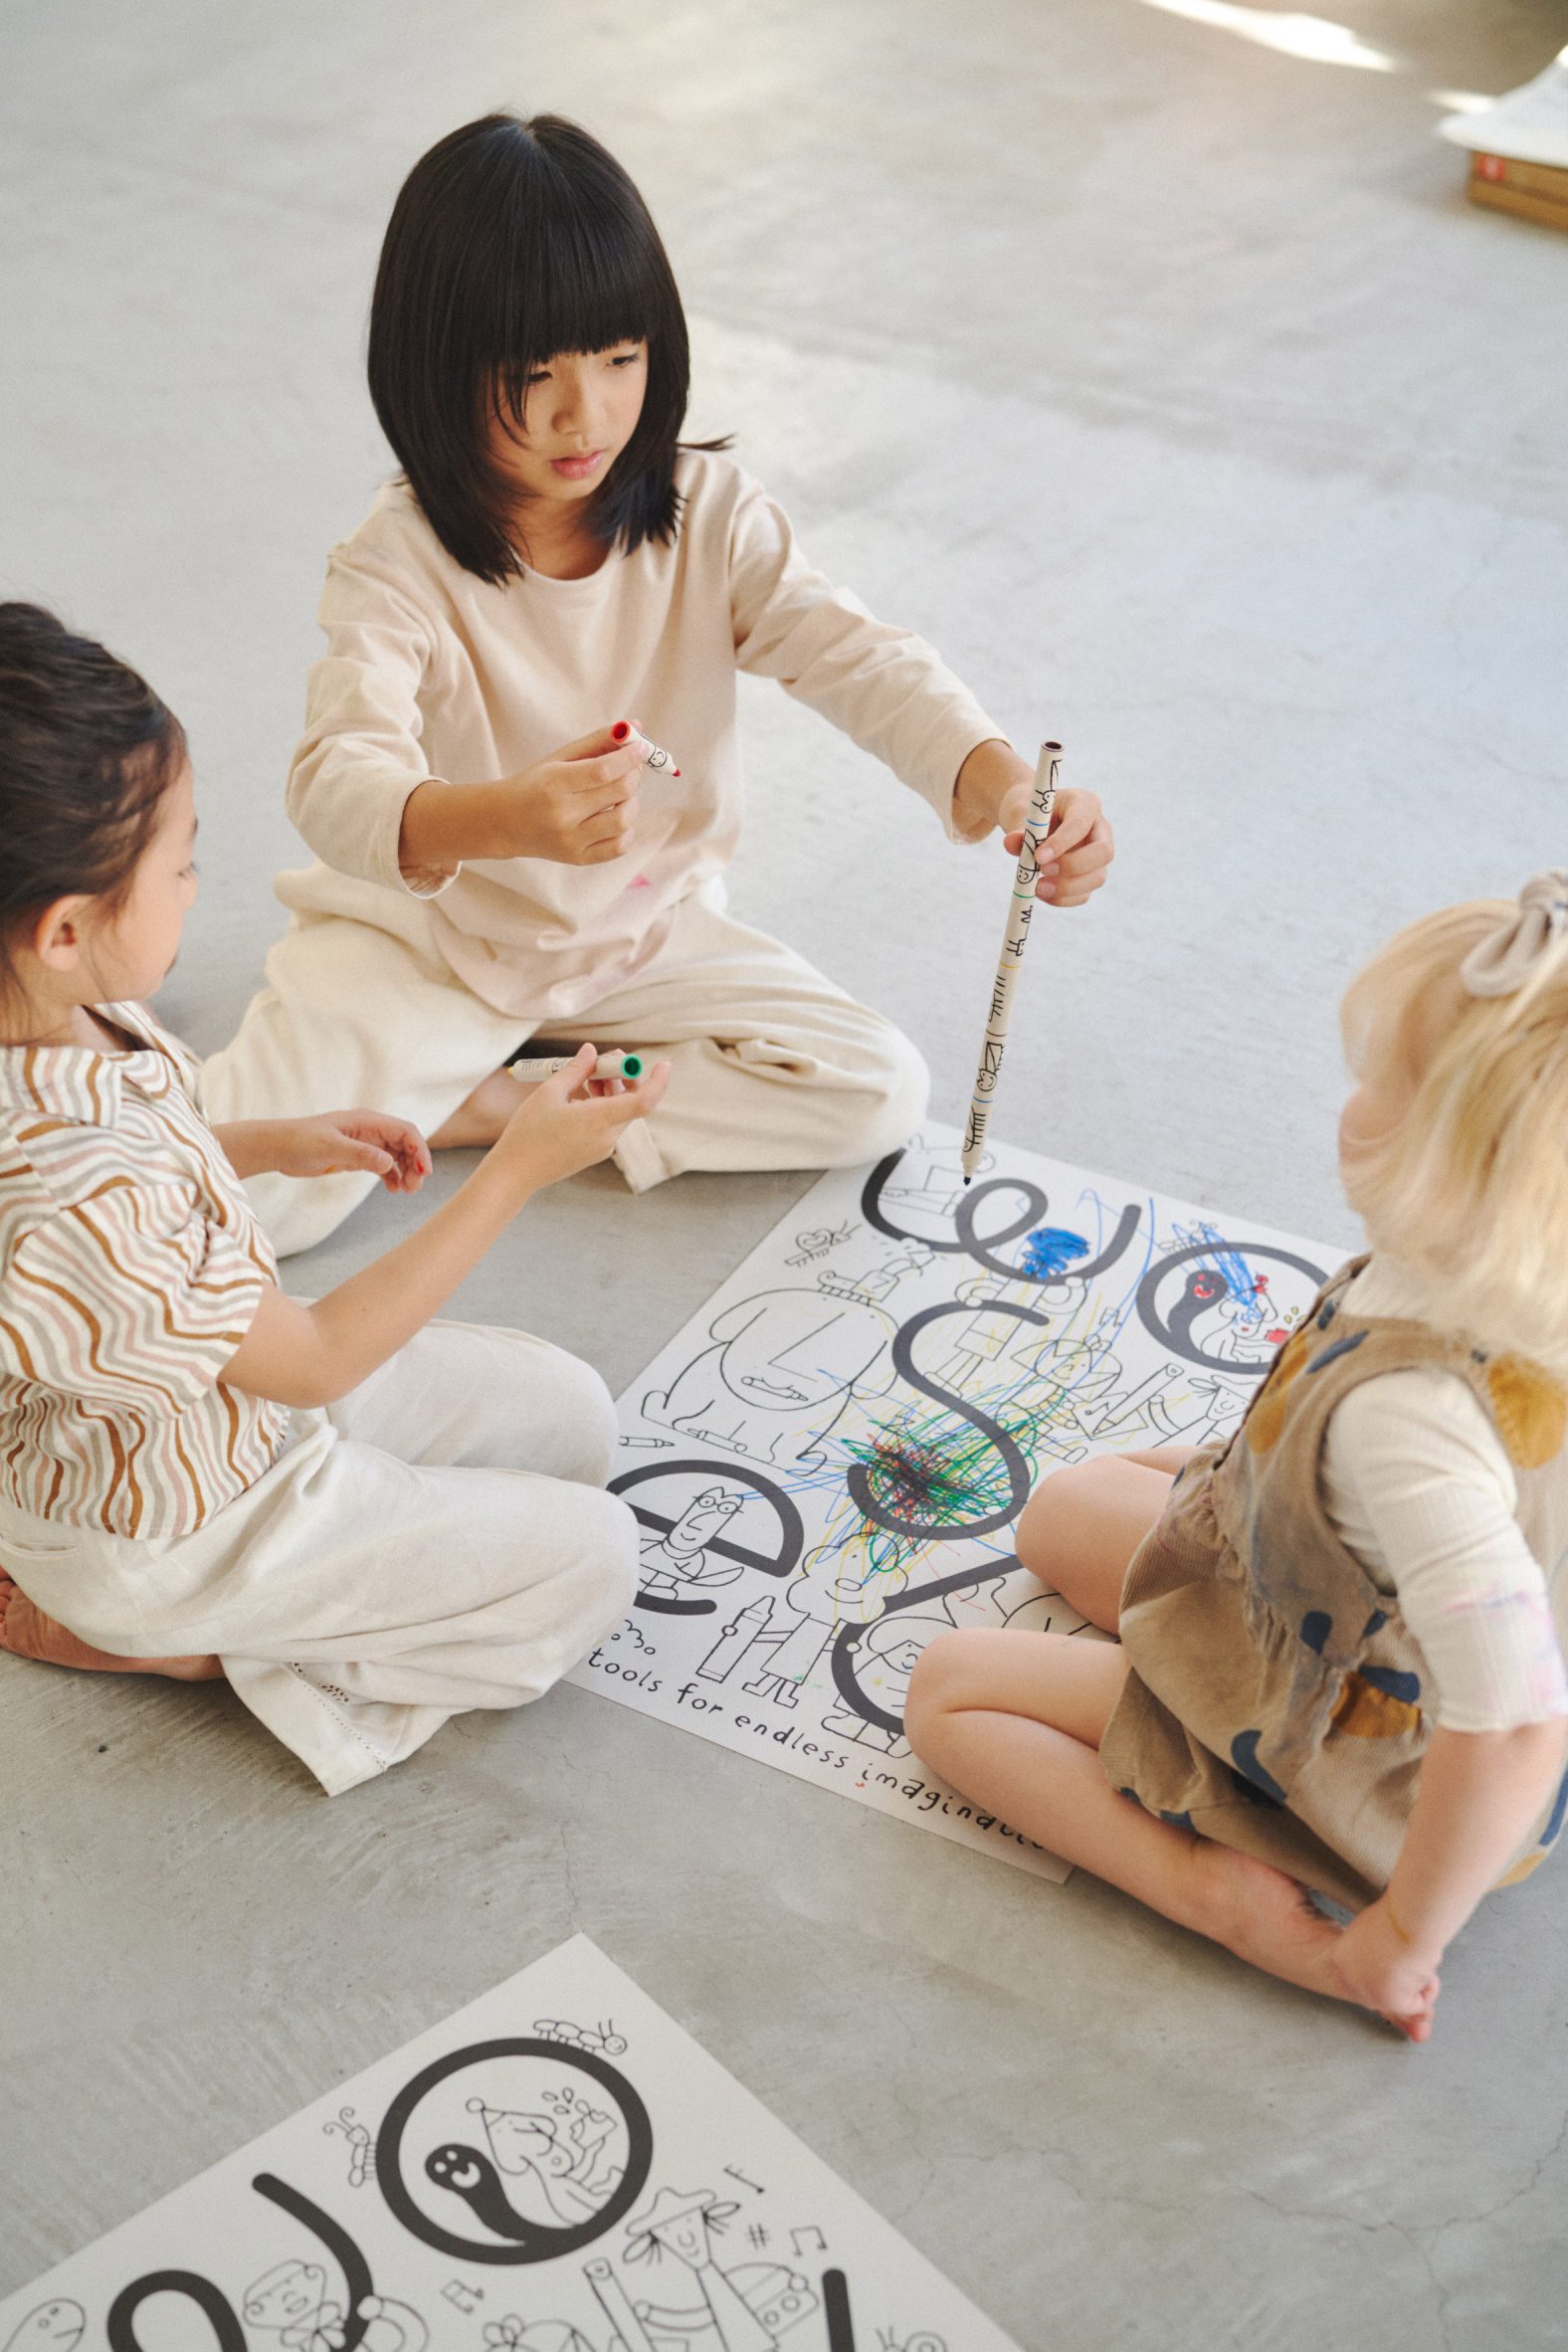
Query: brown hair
{"x": 86, "y": 753}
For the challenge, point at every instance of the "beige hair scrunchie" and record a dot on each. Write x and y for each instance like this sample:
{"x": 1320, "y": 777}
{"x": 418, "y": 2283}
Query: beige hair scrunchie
{"x": 1504, "y": 962}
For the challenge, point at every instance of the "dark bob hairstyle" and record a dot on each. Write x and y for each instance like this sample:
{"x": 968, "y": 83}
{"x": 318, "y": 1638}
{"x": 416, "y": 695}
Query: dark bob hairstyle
{"x": 86, "y": 753}
{"x": 509, "y": 243}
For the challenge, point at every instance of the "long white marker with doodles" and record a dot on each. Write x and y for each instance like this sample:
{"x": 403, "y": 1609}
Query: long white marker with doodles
{"x": 1020, "y": 907}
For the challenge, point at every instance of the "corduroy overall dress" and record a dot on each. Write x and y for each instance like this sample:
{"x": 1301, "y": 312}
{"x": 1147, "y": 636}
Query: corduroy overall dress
{"x": 1276, "y": 1700}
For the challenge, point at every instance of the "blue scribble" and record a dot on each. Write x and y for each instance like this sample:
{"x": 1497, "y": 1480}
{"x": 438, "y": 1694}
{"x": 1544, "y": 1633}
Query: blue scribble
{"x": 1049, "y": 1249}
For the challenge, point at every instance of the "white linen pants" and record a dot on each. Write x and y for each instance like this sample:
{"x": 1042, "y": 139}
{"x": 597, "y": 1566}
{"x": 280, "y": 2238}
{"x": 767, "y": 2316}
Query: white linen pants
{"x": 771, "y": 1064}
{"x": 438, "y": 1540}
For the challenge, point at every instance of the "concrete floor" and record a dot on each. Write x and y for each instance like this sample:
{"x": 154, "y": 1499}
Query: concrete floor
{"x": 1166, "y": 381}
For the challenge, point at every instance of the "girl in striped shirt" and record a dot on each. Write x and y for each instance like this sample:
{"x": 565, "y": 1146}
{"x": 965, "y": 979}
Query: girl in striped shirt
{"x": 366, "y": 1520}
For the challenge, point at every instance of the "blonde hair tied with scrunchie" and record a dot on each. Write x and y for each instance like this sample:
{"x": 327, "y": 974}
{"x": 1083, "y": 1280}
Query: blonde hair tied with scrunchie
{"x": 1467, "y": 1013}
{"x": 1509, "y": 957}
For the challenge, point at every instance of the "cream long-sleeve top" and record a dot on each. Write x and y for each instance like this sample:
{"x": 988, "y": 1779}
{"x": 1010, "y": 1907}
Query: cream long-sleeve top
{"x": 431, "y": 674}
{"x": 1417, "y": 1485}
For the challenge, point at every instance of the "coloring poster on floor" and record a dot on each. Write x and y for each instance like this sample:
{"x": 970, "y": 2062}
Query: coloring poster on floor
{"x": 827, "y": 1463}
{"x": 557, "y": 2168}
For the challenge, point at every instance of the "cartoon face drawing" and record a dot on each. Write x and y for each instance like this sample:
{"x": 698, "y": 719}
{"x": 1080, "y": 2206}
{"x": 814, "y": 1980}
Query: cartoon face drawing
{"x": 686, "y": 2239}
{"x": 560, "y": 2155}
{"x": 286, "y": 2296}
{"x": 1224, "y": 1318}
{"x": 707, "y": 1515}
{"x": 53, "y": 2327}
{"x": 681, "y": 1557}
{"x": 889, "y": 1651}
{"x": 677, "y": 2222}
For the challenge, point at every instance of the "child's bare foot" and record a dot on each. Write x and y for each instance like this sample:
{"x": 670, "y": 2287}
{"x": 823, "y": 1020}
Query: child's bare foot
{"x": 27, "y": 1633}
{"x": 1269, "y": 1919}
{"x": 478, "y": 1121}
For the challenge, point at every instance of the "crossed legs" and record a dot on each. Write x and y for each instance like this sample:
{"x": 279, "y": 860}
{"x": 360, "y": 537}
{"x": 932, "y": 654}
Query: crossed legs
{"x": 1014, "y": 1720}
{"x": 27, "y": 1632}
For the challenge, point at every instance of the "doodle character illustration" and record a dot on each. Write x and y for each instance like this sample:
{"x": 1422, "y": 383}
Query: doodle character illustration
{"x": 831, "y": 1457}
{"x": 601, "y": 2038}
{"x": 744, "y": 2310}
{"x": 924, "y": 1184}
{"x": 781, "y": 1370}
{"x": 555, "y": 2155}
{"x": 53, "y": 2327}
{"x": 818, "y": 1241}
{"x": 781, "y": 1639}
{"x": 516, "y": 2201}
{"x": 515, "y": 2151}
{"x": 880, "y": 1659}
{"x": 358, "y": 2137}
{"x": 516, "y": 2334}
{"x": 290, "y": 2302}
{"x": 878, "y": 1281}
{"x": 704, "y": 1523}
{"x": 678, "y": 1559}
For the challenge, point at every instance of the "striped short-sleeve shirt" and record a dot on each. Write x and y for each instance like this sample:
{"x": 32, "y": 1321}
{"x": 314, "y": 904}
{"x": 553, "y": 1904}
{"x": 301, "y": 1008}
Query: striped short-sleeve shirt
{"x": 130, "y": 1269}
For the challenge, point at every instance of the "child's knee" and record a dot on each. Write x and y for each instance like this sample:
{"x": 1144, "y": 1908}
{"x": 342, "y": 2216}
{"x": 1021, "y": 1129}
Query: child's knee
{"x": 890, "y": 1090}
{"x": 937, "y": 1685}
{"x": 601, "y": 1430}
{"x": 586, "y": 1419}
{"x": 1058, "y": 1518}
{"x": 903, "y": 1094}
{"x": 618, "y": 1558}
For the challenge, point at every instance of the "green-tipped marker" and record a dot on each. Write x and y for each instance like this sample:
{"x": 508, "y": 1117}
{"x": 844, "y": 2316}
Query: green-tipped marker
{"x": 609, "y": 1066}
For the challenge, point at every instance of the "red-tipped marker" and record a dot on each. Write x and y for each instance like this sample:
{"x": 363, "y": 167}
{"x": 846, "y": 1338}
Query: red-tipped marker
{"x": 655, "y": 757}
{"x": 620, "y": 730}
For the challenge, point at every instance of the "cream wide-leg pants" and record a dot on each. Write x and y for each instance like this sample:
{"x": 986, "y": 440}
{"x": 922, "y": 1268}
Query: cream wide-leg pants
{"x": 440, "y": 1540}
{"x": 771, "y": 1064}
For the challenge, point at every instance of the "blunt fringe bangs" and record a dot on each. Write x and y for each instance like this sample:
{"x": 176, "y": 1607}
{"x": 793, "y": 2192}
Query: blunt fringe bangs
{"x": 509, "y": 242}
{"x": 86, "y": 753}
{"x": 1470, "y": 1185}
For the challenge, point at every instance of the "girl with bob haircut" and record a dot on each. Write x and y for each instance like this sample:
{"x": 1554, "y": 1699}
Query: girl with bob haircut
{"x": 555, "y": 582}
{"x": 369, "y": 1521}
{"x": 1340, "y": 1664}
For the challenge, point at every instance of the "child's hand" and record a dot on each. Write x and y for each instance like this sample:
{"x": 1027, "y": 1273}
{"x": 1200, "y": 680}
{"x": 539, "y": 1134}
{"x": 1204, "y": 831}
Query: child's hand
{"x": 561, "y": 1126}
{"x": 578, "y": 806}
{"x": 341, "y": 1139}
{"x": 1072, "y": 858}
{"x": 1372, "y": 1964}
{"x": 994, "y": 786}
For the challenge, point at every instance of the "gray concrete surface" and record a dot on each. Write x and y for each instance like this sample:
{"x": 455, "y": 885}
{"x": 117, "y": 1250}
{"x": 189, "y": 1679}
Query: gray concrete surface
{"x": 1167, "y": 382}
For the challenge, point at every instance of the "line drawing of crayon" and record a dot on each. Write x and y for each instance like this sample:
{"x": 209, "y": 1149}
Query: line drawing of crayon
{"x": 736, "y": 1639}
